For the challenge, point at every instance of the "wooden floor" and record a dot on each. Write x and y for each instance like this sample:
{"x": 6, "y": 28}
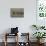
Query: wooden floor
{"x": 13, "y": 44}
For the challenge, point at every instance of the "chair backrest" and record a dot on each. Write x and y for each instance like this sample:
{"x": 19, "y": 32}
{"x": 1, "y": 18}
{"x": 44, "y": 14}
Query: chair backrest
{"x": 14, "y": 30}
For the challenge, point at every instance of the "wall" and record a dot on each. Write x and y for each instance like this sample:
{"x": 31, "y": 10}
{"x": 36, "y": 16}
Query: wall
{"x": 24, "y": 24}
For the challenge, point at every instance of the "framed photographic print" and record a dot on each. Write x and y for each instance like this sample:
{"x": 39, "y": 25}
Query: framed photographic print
{"x": 41, "y": 8}
{"x": 41, "y": 12}
{"x": 17, "y": 12}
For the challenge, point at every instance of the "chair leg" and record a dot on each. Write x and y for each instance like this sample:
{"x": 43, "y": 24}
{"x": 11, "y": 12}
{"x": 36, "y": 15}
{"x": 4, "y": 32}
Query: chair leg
{"x": 5, "y": 40}
{"x": 5, "y": 43}
{"x": 17, "y": 39}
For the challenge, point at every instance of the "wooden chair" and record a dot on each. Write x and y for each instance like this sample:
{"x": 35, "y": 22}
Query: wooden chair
{"x": 8, "y": 34}
{"x": 27, "y": 37}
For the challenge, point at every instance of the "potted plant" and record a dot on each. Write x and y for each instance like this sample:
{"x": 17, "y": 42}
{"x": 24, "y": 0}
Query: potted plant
{"x": 42, "y": 27}
{"x": 39, "y": 35}
{"x": 38, "y": 27}
{"x": 35, "y": 26}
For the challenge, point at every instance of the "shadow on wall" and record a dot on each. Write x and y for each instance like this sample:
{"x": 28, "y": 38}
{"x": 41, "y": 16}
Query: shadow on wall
{"x": 2, "y": 34}
{"x": 7, "y": 30}
{"x": 32, "y": 30}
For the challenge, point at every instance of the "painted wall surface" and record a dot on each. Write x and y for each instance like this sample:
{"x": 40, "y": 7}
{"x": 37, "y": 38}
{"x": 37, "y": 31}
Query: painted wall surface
{"x": 24, "y": 24}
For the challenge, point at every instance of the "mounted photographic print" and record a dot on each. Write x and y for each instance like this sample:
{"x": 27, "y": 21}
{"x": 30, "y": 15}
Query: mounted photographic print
{"x": 41, "y": 12}
{"x": 17, "y": 12}
{"x": 41, "y": 8}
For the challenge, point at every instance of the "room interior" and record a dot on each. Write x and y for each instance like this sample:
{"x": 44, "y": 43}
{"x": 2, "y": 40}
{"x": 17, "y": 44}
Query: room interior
{"x": 22, "y": 23}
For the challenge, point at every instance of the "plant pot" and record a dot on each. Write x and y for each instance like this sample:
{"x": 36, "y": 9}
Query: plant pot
{"x": 40, "y": 41}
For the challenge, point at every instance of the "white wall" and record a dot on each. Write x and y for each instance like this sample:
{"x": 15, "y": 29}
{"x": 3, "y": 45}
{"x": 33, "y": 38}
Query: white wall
{"x": 24, "y": 24}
